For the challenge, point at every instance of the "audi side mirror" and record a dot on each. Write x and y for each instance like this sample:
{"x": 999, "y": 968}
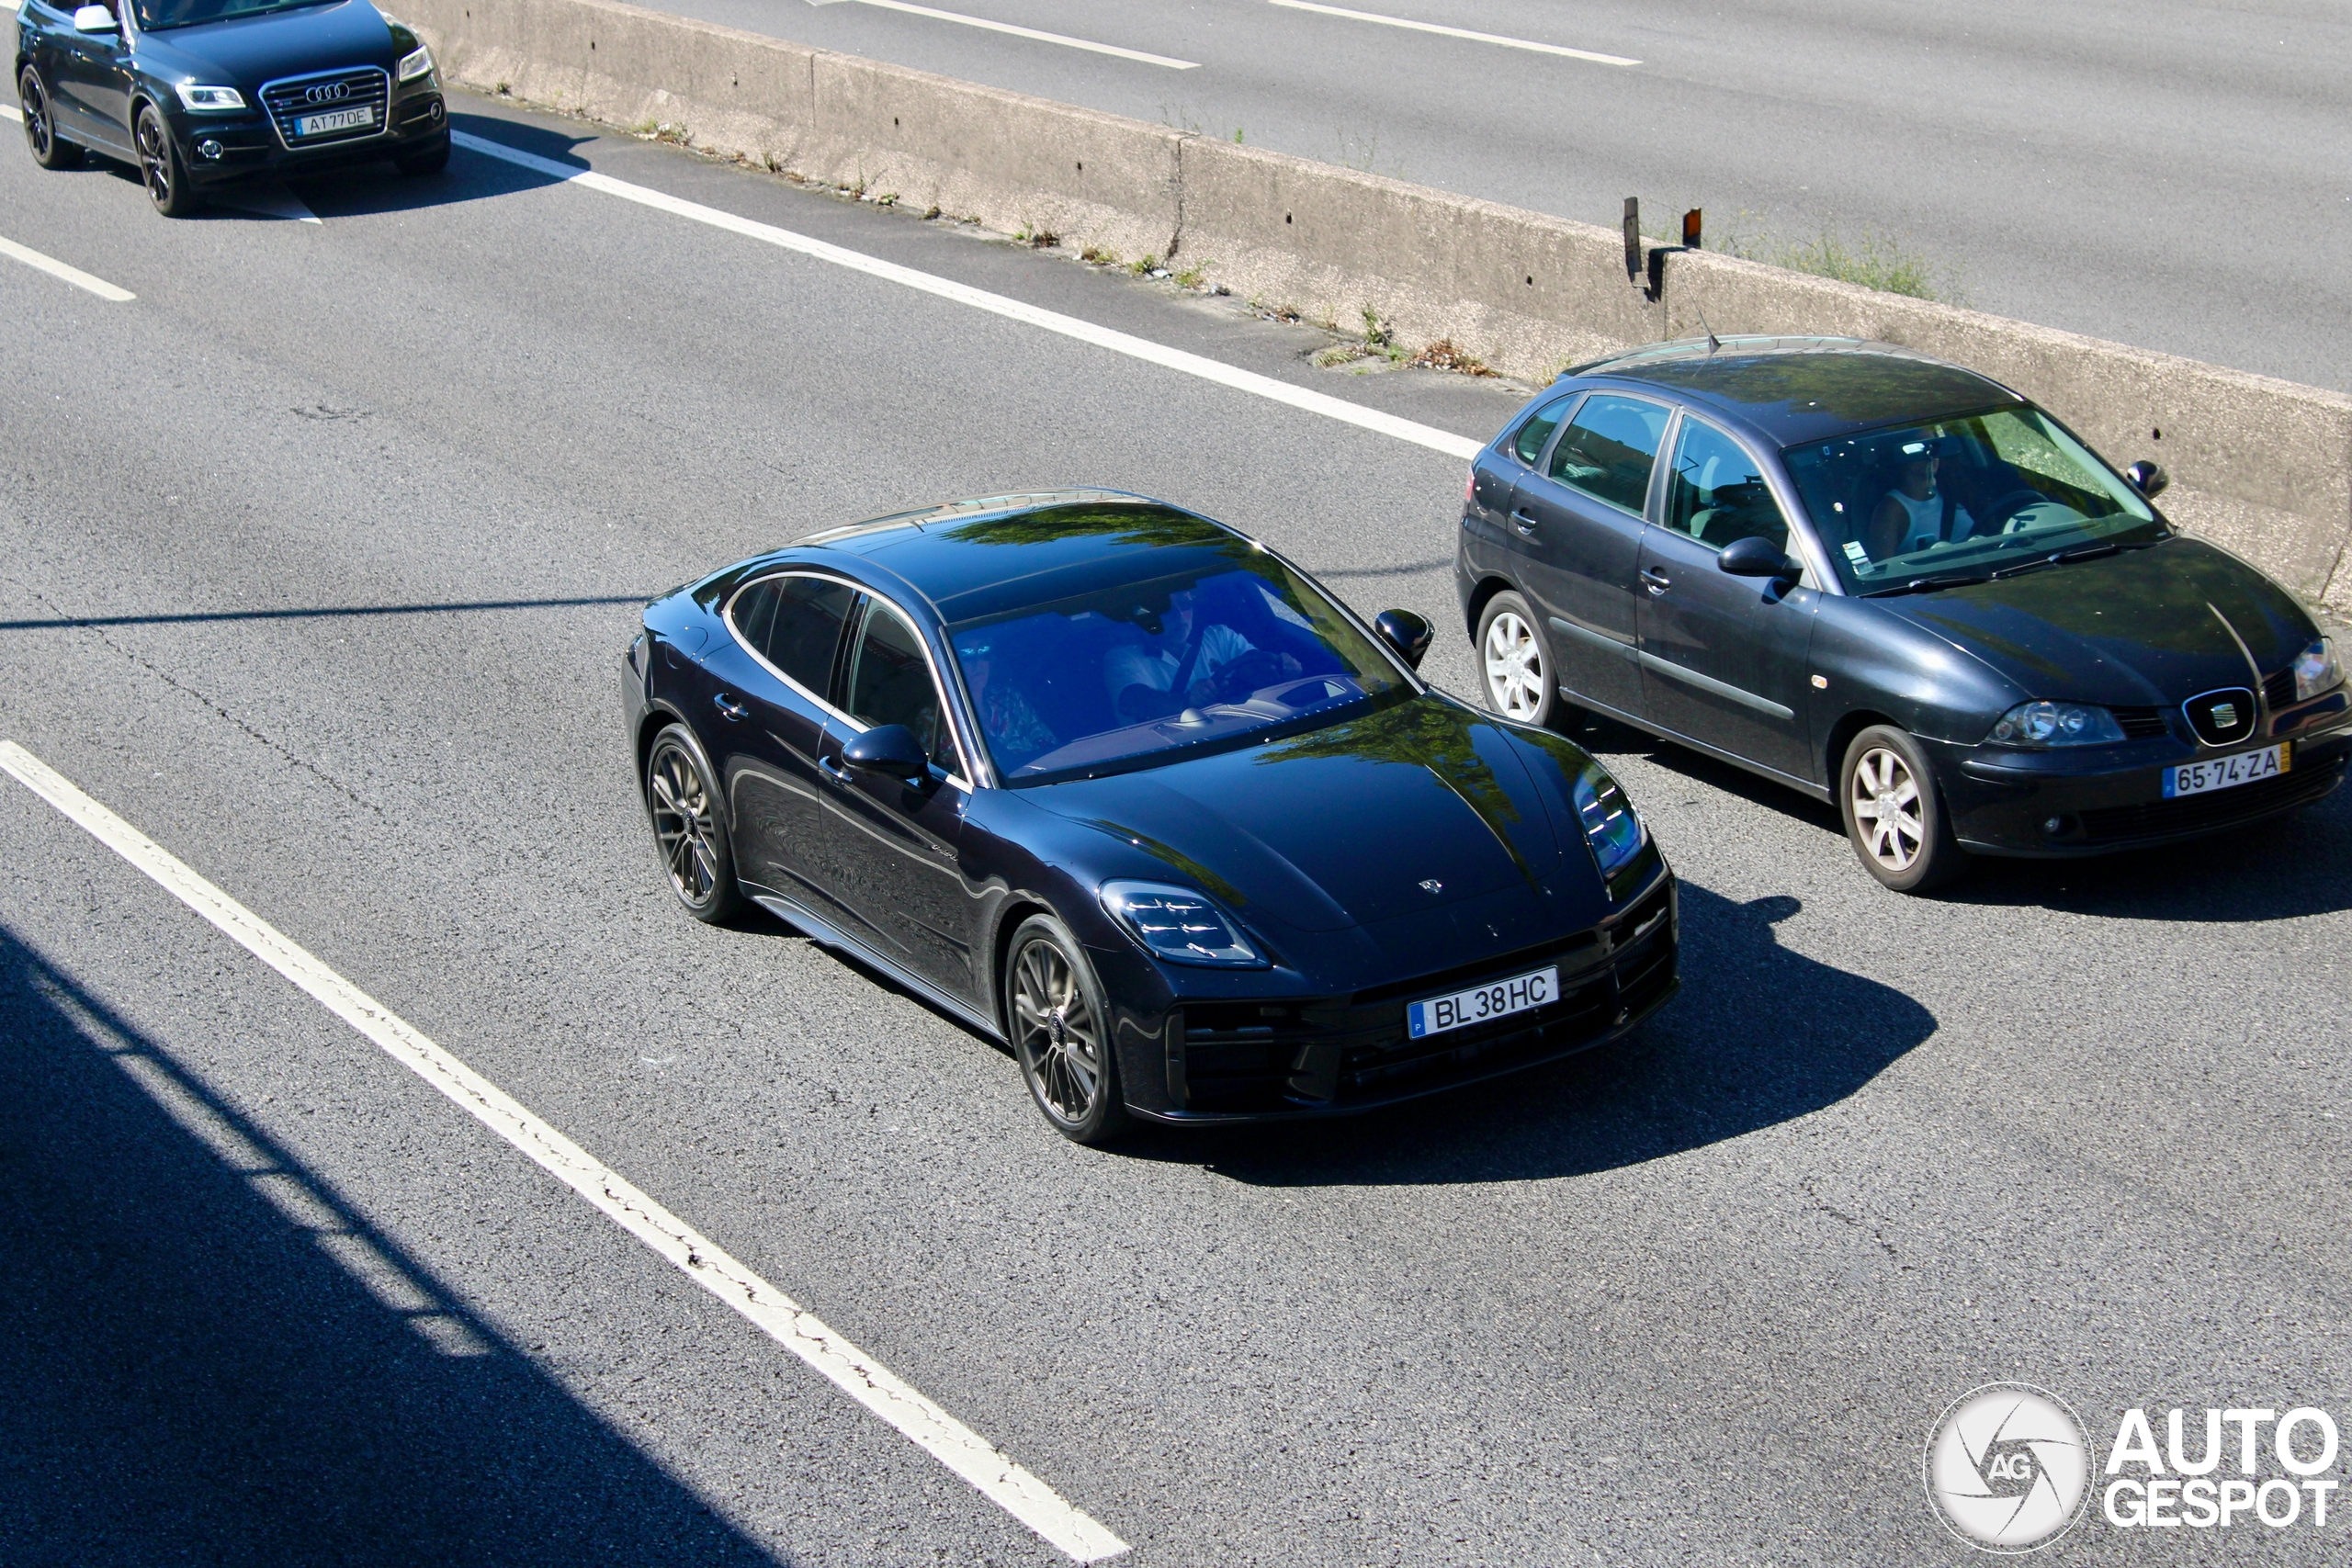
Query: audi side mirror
{"x": 890, "y": 749}
{"x": 1759, "y": 557}
{"x": 2149, "y": 479}
{"x": 95, "y": 19}
{"x": 1406, "y": 632}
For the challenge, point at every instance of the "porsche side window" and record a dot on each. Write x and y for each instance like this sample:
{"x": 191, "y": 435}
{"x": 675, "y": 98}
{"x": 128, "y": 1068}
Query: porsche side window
{"x": 805, "y": 627}
{"x": 1528, "y": 442}
{"x": 1716, "y": 493}
{"x": 889, "y": 682}
{"x": 1608, "y": 450}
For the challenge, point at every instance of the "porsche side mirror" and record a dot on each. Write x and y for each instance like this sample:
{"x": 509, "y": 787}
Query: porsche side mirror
{"x": 1759, "y": 557}
{"x": 2149, "y": 479}
{"x": 890, "y": 749}
{"x": 1406, "y": 632}
{"x": 95, "y": 19}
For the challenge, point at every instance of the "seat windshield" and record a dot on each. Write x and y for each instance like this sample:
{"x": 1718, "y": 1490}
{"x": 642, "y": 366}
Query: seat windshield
{"x": 1962, "y": 499}
{"x": 1160, "y": 665}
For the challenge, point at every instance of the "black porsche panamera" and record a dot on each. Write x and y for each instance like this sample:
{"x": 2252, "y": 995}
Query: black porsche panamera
{"x": 1112, "y": 783}
{"x": 1896, "y": 585}
{"x": 199, "y": 93}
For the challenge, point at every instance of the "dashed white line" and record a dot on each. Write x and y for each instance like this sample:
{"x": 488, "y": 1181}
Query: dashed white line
{"x": 949, "y": 1441}
{"x": 72, "y": 275}
{"x": 1528, "y": 44}
{"x": 1208, "y": 369}
{"x": 1062, "y": 38}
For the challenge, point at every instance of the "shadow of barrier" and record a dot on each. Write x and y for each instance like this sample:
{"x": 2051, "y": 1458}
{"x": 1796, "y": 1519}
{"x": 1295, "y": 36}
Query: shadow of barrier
{"x": 210, "y": 1358}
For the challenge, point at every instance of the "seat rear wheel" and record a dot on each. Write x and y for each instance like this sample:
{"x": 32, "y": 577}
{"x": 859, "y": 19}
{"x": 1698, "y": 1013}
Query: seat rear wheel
{"x": 1061, "y": 1035}
{"x": 49, "y": 149}
{"x": 1523, "y": 682}
{"x": 1895, "y": 815}
{"x": 689, "y": 833}
{"x": 160, "y": 167}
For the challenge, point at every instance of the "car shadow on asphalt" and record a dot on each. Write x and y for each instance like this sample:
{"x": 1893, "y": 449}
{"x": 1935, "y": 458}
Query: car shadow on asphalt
{"x": 195, "y": 1369}
{"x": 1759, "y": 1035}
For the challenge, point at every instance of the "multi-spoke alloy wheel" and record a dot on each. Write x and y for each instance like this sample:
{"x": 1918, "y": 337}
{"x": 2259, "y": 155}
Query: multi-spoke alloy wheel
{"x": 160, "y": 167}
{"x": 688, "y": 831}
{"x": 1520, "y": 682}
{"x": 1893, "y": 813}
{"x": 50, "y": 151}
{"x": 1058, "y": 1033}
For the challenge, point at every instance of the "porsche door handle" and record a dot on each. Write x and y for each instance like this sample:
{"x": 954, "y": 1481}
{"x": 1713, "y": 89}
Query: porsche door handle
{"x": 730, "y": 709}
{"x": 1656, "y": 581}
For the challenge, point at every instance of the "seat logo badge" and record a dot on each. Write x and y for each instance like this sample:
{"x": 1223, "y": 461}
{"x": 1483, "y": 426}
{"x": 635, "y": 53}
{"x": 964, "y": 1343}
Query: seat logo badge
{"x": 333, "y": 92}
{"x": 1432, "y": 885}
{"x": 2226, "y": 715}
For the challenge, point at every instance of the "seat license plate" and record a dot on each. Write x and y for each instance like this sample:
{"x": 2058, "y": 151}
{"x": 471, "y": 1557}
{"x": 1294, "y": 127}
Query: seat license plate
{"x": 1499, "y": 998}
{"x": 341, "y": 120}
{"x": 2228, "y": 772}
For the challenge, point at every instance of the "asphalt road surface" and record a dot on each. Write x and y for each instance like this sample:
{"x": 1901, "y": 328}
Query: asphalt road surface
{"x": 2174, "y": 176}
{"x": 317, "y": 559}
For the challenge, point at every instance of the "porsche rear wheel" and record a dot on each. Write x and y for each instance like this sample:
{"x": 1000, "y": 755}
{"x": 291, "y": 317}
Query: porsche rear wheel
{"x": 688, "y": 831}
{"x": 49, "y": 149}
{"x": 1061, "y": 1032}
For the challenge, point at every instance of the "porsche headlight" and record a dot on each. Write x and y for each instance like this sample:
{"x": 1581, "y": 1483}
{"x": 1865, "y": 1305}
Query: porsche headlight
{"x": 1180, "y": 925}
{"x": 417, "y": 63}
{"x": 2057, "y": 724}
{"x": 1611, "y": 824}
{"x": 2318, "y": 668}
{"x": 209, "y": 100}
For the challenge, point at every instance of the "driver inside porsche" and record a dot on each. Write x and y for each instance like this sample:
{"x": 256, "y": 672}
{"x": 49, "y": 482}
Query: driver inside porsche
{"x": 1168, "y": 668}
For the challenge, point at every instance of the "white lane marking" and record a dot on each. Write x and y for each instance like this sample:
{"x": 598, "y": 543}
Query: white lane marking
{"x": 1062, "y": 38}
{"x": 949, "y": 1441}
{"x": 1453, "y": 32}
{"x": 1224, "y": 374}
{"x": 10, "y": 111}
{"x": 72, "y": 275}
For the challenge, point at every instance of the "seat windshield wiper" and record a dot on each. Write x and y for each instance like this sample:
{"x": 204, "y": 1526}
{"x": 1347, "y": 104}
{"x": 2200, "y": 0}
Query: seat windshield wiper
{"x": 1928, "y": 584}
{"x": 2061, "y": 557}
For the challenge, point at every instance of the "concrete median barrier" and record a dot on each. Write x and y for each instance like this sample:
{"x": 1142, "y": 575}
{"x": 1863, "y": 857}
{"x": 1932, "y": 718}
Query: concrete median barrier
{"x": 2261, "y": 466}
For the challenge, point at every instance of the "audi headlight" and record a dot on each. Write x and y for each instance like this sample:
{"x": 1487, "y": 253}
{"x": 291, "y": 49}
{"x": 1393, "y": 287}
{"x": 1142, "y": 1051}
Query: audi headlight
{"x": 2057, "y": 724}
{"x": 1611, "y": 824}
{"x": 1180, "y": 925}
{"x": 2318, "y": 668}
{"x": 209, "y": 100}
{"x": 418, "y": 62}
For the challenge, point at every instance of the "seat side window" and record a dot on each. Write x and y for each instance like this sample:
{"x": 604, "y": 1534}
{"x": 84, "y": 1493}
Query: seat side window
{"x": 1608, "y": 450}
{"x": 1716, "y": 492}
{"x": 889, "y": 682}
{"x": 1528, "y": 442}
{"x": 807, "y": 628}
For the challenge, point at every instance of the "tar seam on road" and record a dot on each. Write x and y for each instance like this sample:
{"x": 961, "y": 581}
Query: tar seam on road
{"x": 947, "y": 1439}
{"x": 1208, "y": 369}
{"x": 1452, "y": 32}
{"x": 1062, "y": 38}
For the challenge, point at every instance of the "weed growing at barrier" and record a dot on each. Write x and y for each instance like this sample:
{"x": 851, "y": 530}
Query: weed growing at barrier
{"x": 1096, "y": 255}
{"x": 1037, "y": 238}
{"x": 1879, "y": 259}
{"x": 1445, "y": 354}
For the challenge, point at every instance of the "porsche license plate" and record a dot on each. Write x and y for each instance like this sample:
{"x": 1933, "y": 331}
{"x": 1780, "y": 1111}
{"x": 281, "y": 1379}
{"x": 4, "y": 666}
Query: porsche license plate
{"x": 2228, "y": 772}
{"x": 341, "y": 120}
{"x": 1500, "y": 998}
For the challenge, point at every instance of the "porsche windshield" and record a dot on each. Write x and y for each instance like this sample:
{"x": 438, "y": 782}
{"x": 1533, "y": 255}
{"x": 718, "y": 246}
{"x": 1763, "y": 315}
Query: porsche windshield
{"x": 156, "y": 16}
{"x": 1160, "y": 663}
{"x": 1962, "y": 499}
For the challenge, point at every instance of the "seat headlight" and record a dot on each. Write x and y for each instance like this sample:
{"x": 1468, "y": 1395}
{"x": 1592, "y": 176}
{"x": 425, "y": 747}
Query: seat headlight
{"x": 1610, "y": 825}
{"x": 2057, "y": 724}
{"x": 1180, "y": 925}
{"x": 209, "y": 100}
{"x": 416, "y": 62}
{"x": 2318, "y": 668}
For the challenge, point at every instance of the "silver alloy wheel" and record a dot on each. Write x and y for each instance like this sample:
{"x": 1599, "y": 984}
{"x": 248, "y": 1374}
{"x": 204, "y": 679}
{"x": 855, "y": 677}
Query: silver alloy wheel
{"x": 1055, "y": 1032}
{"x": 155, "y": 158}
{"x": 1514, "y": 667}
{"x": 681, "y": 823}
{"x": 1887, "y": 809}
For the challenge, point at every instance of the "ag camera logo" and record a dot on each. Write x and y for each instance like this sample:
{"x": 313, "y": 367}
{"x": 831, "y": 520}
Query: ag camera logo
{"x": 2008, "y": 1467}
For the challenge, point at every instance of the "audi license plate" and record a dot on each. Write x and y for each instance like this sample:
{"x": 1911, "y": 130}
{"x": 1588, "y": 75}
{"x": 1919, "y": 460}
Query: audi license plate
{"x": 341, "y": 120}
{"x": 2228, "y": 772}
{"x": 1520, "y": 993}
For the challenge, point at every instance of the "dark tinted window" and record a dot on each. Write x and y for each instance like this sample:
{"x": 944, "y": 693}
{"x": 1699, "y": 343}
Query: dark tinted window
{"x": 1608, "y": 449}
{"x": 1528, "y": 442}
{"x": 797, "y": 624}
{"x": 1716, "y": 493}
{"x": 889, "y": 682}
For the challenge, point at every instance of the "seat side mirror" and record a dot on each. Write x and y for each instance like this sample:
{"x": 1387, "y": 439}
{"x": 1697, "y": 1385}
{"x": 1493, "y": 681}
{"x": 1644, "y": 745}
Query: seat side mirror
{"x": 95, "y": 19}
{"x": 1756, "y": 555}
{"x": 890, "y": 749}
{"x": 1406, "y": 632}
{"x": 2149, "y": 479}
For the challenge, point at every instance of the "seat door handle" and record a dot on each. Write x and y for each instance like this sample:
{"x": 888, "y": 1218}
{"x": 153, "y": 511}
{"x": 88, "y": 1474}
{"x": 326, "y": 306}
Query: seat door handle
{"x": 1656, "y": 580}
{"x": 730, "y": 709}
{"x": 1524, "y": 520}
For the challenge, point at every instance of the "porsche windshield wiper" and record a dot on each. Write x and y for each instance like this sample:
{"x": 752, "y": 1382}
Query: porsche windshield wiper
{"x": 1928, "y": 584}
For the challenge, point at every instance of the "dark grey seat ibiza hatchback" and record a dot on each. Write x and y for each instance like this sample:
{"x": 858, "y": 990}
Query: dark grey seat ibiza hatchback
{"x": 1896, "y": 585}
